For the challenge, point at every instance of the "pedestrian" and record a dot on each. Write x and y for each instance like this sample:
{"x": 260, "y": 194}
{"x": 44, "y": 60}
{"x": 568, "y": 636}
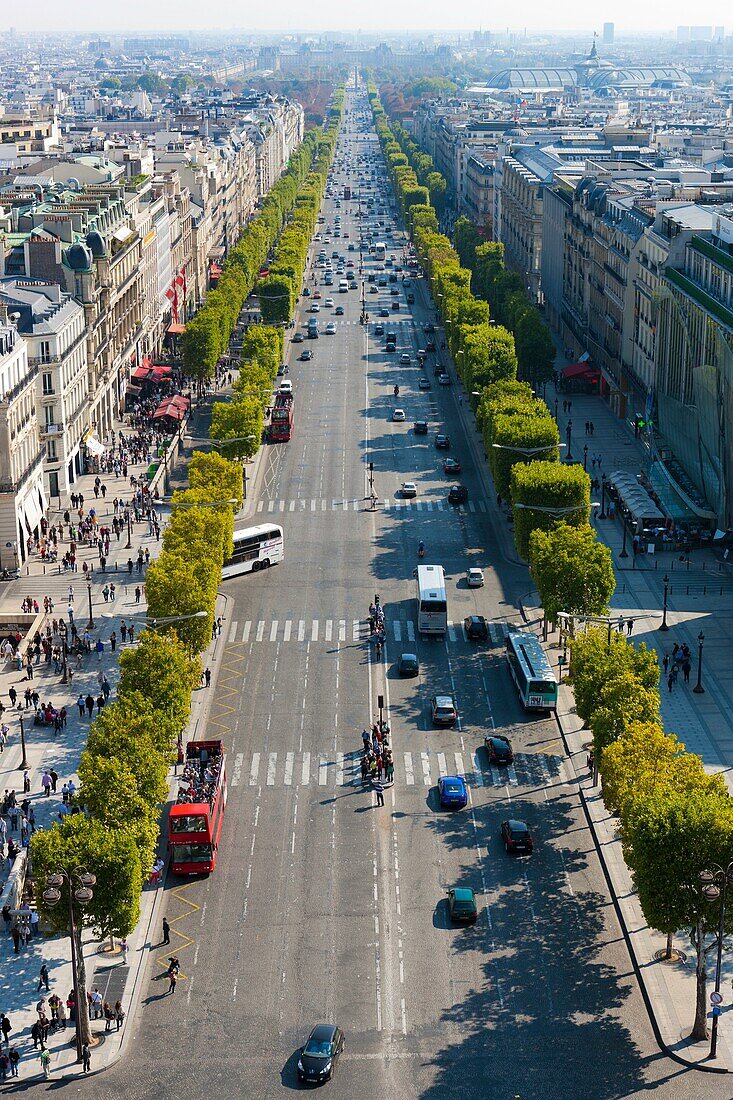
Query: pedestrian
{"x": 54, "y": 779}
{"x": 138, "y": 593}
{"x": 131, "y": 633}
{"x": 86, "y": 1057}
{"x": 172, "y": 979}
{"x": 686, "y": 669}
{"x": 665, "y": 663}
{"x": 592, "y": 428}
{"x": 670, "y": 682}
{"x": 587, "y": 427}
{"x": 166, "y": 931}
{"x": 89, "y": 703}
{"x": 43, "y": 978}
{"x": 26, "y": 781}
{"x": 123, "y": 631}
{"x": 124, "y": 948}
{"x": 207, "y": 676}
{"x": 629, "y": 627}
{"x": 46, "y": 1062}
{"x": 62, "y": 1014}
{"x": 80, "y": 702}
{"x": 99, "y": 647}
{"x": 4, "y": 1066}
{"x": 6, "y": 1027}
{"x": 119, "y": 1014}
{"x": 36, "y": 1034}
{"x": 14, "y": 1059}
{"x": 109, "y": 1015}
{"x": 379, "y": 791}
{"x": 46, "y": 784}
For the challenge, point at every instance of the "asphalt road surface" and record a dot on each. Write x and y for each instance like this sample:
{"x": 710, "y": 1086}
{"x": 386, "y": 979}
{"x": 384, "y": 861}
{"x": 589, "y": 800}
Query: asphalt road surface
{"x": 324, "y": 907}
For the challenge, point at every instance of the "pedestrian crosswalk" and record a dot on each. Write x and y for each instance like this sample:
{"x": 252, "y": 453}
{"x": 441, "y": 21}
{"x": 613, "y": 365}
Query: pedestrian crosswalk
{"x": 357, "y": 504}
{"x": 412, "y": 769}
{"x": 343, "y": 630}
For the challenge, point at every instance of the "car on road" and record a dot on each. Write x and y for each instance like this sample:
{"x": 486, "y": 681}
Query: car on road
{"x": 399, "y": 414}
{"x": 408, "y": 665}
{"x": 430, "y": 346}
{"x": 405, "y": 358}
{"x": 475, "y": 577}
{"x": 317, "y": 295}
{"x": 443, "y": 710}
{"x": 462, "y": 907}
{"x": 410, "y": 299}
{"x": 315, "y": 308}
{"x": 394, "y": 291}
{"x": 319, "y": 1056}
{"x": 498, "y": 749}
{"x": 451, "y": 466}
{"x": 457, "y": 494}
{"x": 384, "y": 312}
{"x": 306, "y": 356}
{"x": 379, "y": 330}
{"x": 409, "y": 489}
{"x": 330, "y": 329}
{"x": 373, "y": 290}
{"x": 298, "y": 337}
{"x": 339, "y": 311}
{"x": 476, "y": 627}
{"x": 429, "y": 328}
{"x": 452, "y": 792}
{"x": 421, "y": 427}
{"x": 424, "y": 384}
{"x": 442, "y": 442}
{"x": 328, "y": 303}
{"x": 444, "y": 379}
{"x": 306, "y": 292}
{"x": 517, "y": 836}
{"x": 439, "y": 370}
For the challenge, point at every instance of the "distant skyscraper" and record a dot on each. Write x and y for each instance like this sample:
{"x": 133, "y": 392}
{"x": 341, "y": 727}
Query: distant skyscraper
{"x": 683, "y": 34}
{"x": 608, "y": 33}
{"x": 701, "y": 34}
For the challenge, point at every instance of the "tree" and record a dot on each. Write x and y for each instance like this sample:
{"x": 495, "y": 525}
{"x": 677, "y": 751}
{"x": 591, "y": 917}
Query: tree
{"x": 131, "y": 731}
{"x": 276, "y": 299}
{"x": 546, "y": 494}
{"x": 572, "y": 570}
{"x": 219, "y": 478}
{"x": 242, "y": 422}
{"x": 167, "y": 672}
{"x": 535, "y": 347}
{"x": 110, "y": 796}
{"x": 645, "y": 761}
{"x": 601, "y": 654}
{"x": 176, "y": 587}
{"x": 678, "y": 835}
{"x": 201, "y": 346}
{"x": 524, "y": 433}
{"x": 81, "y": 844}
{"x": 622, "y": 700}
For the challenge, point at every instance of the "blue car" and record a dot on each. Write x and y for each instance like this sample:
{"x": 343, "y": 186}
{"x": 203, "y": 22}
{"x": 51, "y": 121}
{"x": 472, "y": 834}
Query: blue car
{"x": 453, "y": 792}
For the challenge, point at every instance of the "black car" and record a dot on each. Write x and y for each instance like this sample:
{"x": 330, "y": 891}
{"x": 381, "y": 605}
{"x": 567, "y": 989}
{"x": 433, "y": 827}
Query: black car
{"x": 476, "y": 627}
{"x": 442, "y": 442}
{"x": 457, "y": 494}
{"x": 421, "y": 427}
{"x": 409, "y": 665}
{"x": 320, "y": 1054}
{"x": 517, "y": 836}
{"x": 429, "y": 327}
{"x": 430, "y": 346}
{"x": 379, "y": 330}
{"x": 499, "y": 749}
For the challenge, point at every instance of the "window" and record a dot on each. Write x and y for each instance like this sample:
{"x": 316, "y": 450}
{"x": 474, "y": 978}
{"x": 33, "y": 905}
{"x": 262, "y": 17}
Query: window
{"x": 51, "y": 450}
{"x": 50, "y": 415}
{"x": 47, "y": 380}
{"x": 45, "y": 351}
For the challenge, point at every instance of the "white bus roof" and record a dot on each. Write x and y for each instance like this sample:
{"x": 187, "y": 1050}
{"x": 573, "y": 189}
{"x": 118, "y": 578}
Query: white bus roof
{"x": 260, "y": 529}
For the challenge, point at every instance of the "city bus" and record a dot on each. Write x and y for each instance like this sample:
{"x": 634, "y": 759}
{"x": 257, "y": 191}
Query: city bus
{"x": 432, "y": 603}
{"x": 255, "y": 548}
{"x": 531, "y": 671}
{"x": 380, "y": 251}
{"x": 195, "y": 820}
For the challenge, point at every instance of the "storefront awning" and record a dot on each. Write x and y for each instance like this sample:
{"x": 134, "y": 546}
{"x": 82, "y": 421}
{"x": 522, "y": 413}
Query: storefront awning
{"x": 93, "y": 445}
{"x": 32, "y": 511}
{"x": 174, "y": 407}
{"x": 635, "y": 498}
{"x": 584, "y": 371}
{"x": 176, "y": 329}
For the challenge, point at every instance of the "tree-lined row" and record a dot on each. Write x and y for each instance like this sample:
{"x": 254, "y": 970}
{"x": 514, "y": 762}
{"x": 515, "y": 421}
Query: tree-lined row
{"x": 207, "y": 334}
{"x": 674, "y": 819}
{"x": 572, "y": 571}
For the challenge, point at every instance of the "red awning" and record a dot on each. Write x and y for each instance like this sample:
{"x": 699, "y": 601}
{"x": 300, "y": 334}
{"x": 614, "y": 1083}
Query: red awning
{"x": 581, "y": 370}
{"x": 161, "y": 370}
{"x": 141, "y": 373}
{"x": 214, "y": 271}
{"x": 175, "y": 329}
{"x": 174, "y": 407}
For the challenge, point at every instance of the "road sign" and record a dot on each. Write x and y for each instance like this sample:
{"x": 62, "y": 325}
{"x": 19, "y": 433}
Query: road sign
{"x": 717, "y": 1010}
{"x": 716, "y": 998}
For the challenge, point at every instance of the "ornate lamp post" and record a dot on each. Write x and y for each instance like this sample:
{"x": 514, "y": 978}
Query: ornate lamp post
{"x": 698, "y": 688}
{"x": 714, "y": 882}
{"x": 78, "y": 888}
{"x": 664, "y": 625}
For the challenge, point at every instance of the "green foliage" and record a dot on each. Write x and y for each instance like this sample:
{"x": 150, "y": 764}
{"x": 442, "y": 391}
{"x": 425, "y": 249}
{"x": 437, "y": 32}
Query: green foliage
{"x": 241, "y": 421}
{"x": 82, "y": 844}
{"x": 110, "y": 796}
{"x": 547, "y": 485}
{"x": 176, "y": 586}
{"x": 599, "y": 655}
{"x": 572, "y": 570}
{"x": 166, "y": 669}
{"x": 276, "y": 299}
{"x": 622, "y": 700}
{"x": 219, "y": 478}
{"x": 525, "y": 434}
{"x": 133, "y": 732}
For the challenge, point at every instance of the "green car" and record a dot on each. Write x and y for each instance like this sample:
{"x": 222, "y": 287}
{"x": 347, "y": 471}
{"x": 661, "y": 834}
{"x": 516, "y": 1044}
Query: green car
{"x": 462, "y": 908}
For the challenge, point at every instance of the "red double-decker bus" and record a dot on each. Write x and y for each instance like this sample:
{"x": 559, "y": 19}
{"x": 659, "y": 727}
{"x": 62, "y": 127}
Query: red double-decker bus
{"x": 196, "y": 819}
{"x": 281, "y": 418}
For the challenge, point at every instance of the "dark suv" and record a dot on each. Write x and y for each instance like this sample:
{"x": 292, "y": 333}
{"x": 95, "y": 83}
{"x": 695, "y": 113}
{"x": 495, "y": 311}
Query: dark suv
{"x": 458, "y": 494}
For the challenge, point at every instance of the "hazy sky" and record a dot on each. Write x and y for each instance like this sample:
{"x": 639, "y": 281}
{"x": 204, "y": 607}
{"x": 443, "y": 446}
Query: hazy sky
{"x": 415, "y": 15}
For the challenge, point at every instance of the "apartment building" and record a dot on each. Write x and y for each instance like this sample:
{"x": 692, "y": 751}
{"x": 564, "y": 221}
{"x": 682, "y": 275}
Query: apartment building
{"x": 23, "y": 500}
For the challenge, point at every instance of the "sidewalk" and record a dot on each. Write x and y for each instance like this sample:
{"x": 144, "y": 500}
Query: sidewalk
{"x": 107, "y": 970}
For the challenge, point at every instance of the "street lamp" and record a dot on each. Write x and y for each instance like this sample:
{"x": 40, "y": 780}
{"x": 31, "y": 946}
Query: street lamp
{"x": 568, "y": 436}
{"x": 79, "y": 884}
{"x": 555, "y": 408}
{"x": 603, "y": 496}
{"x": 129, "y": 528}
{"x": 585, "y": 458}
{"x": 90, "y": 624}
{"x": 64, "y": 648}
{"x": 168, "y": 620}
{"x": 698, "y": 688}
{"x": 714, "y": 882}
{"x": 24, "y": 762}
{"x": 664, "y": 625}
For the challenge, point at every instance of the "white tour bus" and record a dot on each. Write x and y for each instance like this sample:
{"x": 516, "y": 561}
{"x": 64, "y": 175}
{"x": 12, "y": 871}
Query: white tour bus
{"x": 380, "y": 251}
{"x": 255, "y": 548}
{"x": 432, "y": 603}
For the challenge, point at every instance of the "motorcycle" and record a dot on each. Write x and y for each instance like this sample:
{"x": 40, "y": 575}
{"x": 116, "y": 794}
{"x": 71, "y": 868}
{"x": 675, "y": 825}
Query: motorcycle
{"x": 421, "y": 549}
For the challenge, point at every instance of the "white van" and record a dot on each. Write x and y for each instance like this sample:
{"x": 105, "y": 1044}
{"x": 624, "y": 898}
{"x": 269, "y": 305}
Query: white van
{"x": 343, "y": 286}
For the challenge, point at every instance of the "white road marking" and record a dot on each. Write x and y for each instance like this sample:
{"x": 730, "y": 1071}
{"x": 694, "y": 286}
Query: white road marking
{"x": 478, "y": 776}
{"x": 459, "y": 763}
{"x": 329, "y": 629}
{"x": 301, "y": 630}
{"x": 451, "y": 632}
{"x": 233, "y": 631}
{"x": 442, "y": 770}
{"x": 409, "y": 774}
{"x": 410, "y": 630}
{"x": 397, "y": 631}
{"x": 342, "y": 630}
{"x": 322, "y": 771}
{"x": 237, "y": 772}
{"x": 254, "y": 769}
{"x": 425, "y": 757}
{"x": 314, "y": 631}
{"x": 339, "y": 769}
{"x": 246, "y": 630}
{"x": 292, "y": 505}
{"x": 305, "y": 771}
{"x": 271, "y": 765}
{"x": 260, "y": 505}
{"x": 260, "y": 630}
{"x": 356, "y": 631}
{"x": 513, "y": 781}
{"x": 273, "y": 630}
{"x": 289, "y": 764}
{"x": 288, "y": 628}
